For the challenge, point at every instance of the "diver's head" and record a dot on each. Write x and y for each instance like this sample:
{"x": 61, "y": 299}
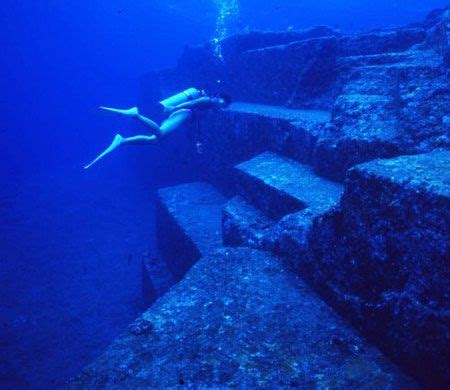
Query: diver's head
{"x": 223, "y": 100}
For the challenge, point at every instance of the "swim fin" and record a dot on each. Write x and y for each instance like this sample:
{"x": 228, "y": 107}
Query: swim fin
{"x": 131, "y": 112}
{"x": 114, "y": 145}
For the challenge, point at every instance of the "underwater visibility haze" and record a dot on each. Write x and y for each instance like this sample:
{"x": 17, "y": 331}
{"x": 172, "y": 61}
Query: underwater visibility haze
{"x": 224, "y": 193}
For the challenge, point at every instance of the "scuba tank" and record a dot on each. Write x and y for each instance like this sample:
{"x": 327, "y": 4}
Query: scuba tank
{"x": 182, "y": 97}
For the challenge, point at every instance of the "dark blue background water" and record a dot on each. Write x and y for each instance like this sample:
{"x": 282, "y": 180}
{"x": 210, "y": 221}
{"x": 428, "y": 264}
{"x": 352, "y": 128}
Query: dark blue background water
{"x": 71, "y": 241}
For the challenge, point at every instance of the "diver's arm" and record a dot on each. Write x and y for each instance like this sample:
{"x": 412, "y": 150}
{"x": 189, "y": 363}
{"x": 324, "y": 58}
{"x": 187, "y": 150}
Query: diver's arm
{"x": 199, "y": 104}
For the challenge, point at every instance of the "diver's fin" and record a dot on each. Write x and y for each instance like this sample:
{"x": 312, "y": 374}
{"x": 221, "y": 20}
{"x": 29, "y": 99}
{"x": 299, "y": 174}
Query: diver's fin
{"x": 131, "y": 112}
{"x": 114, "y": 145}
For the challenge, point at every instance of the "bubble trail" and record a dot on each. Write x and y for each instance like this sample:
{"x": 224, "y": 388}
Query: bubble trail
{"x": 229, "y": 11}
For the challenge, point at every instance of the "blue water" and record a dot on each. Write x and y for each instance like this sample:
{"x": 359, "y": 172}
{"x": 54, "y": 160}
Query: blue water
{"x": 71, "y": 241}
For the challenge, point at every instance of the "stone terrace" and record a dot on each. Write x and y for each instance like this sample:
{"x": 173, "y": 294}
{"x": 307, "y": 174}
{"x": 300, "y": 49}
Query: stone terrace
{"x": 334, "y": 168}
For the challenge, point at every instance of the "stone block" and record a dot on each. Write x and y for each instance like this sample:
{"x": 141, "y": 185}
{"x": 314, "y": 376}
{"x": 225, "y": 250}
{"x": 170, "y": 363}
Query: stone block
{"x": 301, "y": 74}
{"x": 280, "y": 186}
{"x": 382, "y": 259}
{"x": 240, "y": 319}
{"x": 244, "y": 225}
{"x": 188, "y": 224}
{"x": 381, "y": 42}
{"x": 246, "y": 129}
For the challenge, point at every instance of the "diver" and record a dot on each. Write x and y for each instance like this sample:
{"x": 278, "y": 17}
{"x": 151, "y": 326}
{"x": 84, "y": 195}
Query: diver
{"x": 182, "y": 107}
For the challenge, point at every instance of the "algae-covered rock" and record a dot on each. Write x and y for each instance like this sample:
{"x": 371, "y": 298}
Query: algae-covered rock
{"x": 240, "y": 319}
{"x": 383, "y": 257}
{"x": 188, "y": 224}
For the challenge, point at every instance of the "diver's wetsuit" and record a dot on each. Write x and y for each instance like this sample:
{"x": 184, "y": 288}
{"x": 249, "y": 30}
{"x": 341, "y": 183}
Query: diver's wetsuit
{"x": 181, "y": 114}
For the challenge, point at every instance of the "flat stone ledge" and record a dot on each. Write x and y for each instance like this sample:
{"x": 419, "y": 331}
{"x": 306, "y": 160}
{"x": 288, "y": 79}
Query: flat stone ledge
{"x": 279, "y": 112}
{"x": 428, "y": 172}
{"x": 240, "y": 319}
{"x": 279, "y": 186}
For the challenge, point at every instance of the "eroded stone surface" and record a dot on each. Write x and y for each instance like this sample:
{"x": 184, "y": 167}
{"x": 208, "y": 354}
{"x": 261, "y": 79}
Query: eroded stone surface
{"x": 280, "y": 186}
{"x": 188, "y": 224}
{"x": 388, "y": 91}
{"x": 246, "y": 129}
{"x": 381, "y": 41}
{"x": 244, "y": 225}
{"x": 383, "y": 255}
{"x": 240, "y": 319}
{"x": 236, "y": 44}
{"x": 303, "y": 74}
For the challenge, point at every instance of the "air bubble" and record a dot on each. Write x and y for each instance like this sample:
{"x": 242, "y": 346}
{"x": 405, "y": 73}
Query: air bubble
{"x": 229, "y": 11}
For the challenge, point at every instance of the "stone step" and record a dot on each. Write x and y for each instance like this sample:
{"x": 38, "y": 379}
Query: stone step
{"x": 240, "y": 319}
{"x": 375, "y": 59}
{"x": 418, "y": 57}
{"x": 367, "y": 131}
{"x": 247, "y": 129}
{"x": 291, "y": 132}
{"x": 370, "y": 81}
{"x": 392, "y": 228}
{"x": 243, "y": 224}
{"x": 382, "y": 74}
{"x": 279, "y": 186}
{"x": 381, "y": 41}
{"x": 368, "y": 128}
{"x": 282, "y": 113}
{"x": 366, "y": 116}
{"x": 188, "y": 224}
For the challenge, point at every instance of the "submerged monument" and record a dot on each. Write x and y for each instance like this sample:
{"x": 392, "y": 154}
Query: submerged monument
{"x": 308, "y": 243}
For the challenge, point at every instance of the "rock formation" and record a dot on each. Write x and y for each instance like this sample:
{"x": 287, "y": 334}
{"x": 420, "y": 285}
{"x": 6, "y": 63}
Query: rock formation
{"x": 332, "y": 167}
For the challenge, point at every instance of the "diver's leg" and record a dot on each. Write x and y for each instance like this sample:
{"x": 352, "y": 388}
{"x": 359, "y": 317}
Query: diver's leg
{"x": 118, "y": 139}
{"x": 133, "y": 112}
{"x": 176, "y": 120}
{"x": 153, "y": 126}
{"x": 140, "y": 140}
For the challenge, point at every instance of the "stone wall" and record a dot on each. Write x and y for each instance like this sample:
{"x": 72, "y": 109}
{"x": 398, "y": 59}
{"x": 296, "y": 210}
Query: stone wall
{"x": 388, "y": 91}
{"x": 382, "y": 257}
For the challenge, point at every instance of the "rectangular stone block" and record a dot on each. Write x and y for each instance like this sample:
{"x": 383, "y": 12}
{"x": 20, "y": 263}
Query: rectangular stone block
{"x": 280, "y": 186}
{"x": 188, "y": 224}
{"x": 244, "y": 225}
{"x": 381, "y": 41}
{"x": 246, "y": 129}
{"x": 383, "y": 259}
{"x": 303, "y": 74}
{"x": 240, "y": 319}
